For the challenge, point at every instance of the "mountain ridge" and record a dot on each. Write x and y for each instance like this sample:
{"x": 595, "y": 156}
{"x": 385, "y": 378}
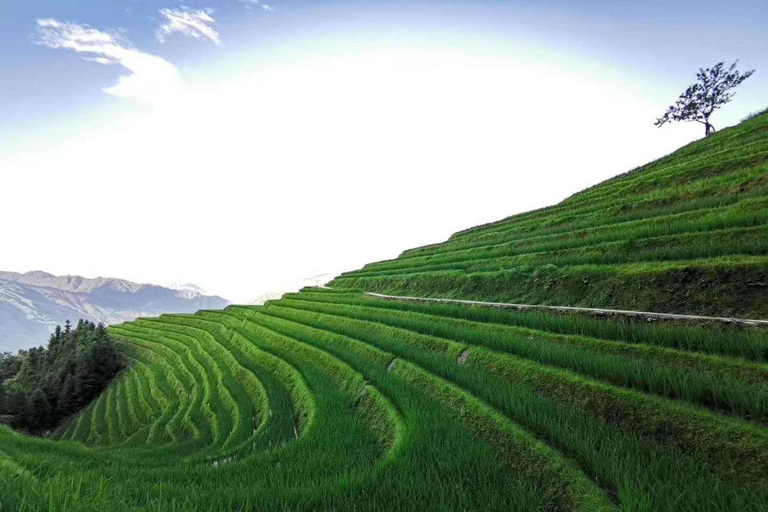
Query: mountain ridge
{"x": 33, "y": 303}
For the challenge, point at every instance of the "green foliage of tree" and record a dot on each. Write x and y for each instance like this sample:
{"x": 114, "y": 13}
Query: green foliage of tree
{"x": 41, "y": 386}
{"x": 711, "y": 91}
{"x": 39, "y": 411}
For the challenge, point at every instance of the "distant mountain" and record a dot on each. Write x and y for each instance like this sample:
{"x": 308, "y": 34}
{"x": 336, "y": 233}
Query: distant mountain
{"x": 32, "y": 304}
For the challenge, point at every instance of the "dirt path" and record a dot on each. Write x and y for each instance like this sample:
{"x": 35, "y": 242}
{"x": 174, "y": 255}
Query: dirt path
{"x": 593, "y": 311}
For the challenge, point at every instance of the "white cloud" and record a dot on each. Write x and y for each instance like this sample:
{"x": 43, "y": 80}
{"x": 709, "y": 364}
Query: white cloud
{"x": 151, "y": 78}
{"x": 257, "y": 3}
{"x": 190, "y": 22}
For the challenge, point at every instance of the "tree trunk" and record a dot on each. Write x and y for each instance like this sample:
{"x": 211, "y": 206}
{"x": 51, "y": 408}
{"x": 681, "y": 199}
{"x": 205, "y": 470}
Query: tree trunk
{"x": 708, "y": 128}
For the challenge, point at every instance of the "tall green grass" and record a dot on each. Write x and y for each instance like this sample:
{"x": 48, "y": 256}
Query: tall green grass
{"x": 731, "y": 386}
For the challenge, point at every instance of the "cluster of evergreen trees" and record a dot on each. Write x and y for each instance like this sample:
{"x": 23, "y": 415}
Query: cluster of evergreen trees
{"x": 41, "y": 386}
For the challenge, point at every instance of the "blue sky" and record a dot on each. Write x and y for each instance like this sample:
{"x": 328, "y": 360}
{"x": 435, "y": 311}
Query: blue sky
{"x": 289, "y": 118}
{"x": 655, "y": 40}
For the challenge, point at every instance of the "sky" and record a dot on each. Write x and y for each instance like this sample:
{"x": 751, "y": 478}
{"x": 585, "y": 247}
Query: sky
{"x": 246, "y": 146}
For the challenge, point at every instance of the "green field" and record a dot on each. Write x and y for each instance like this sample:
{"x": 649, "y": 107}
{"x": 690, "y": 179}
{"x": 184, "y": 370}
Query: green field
{"x": 331, "y": 399}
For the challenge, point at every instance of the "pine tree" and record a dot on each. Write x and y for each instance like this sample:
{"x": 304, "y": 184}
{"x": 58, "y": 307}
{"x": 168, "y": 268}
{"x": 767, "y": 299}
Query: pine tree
{"x": 39, "y": 411}
{"x": 40, "y": 386}
{"x": 17, "y": 405}
{"x": 66, "y": 404}
{"x": 55, "y": 338}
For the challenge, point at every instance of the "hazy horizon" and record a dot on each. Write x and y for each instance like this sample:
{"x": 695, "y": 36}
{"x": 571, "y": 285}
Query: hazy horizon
{"x": 245, "y": 146}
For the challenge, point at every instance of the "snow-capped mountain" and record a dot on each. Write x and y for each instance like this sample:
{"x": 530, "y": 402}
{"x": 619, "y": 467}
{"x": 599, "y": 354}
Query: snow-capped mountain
{"x": 32, "y": 304}
{"x": 187, "y": 287}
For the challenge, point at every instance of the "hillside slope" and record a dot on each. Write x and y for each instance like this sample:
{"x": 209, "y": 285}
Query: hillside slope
{"x": 685, "y": 234}
{"x": 330, "y": 399}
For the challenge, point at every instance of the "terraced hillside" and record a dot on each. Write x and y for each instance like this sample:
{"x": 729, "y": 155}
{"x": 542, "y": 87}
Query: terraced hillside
{"x": 332, "y": 399}
{"x": 685, "y": 234}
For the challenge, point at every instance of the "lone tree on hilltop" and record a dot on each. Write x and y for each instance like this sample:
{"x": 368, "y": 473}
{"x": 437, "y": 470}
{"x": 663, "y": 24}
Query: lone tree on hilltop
{"x": 710, "y": 92}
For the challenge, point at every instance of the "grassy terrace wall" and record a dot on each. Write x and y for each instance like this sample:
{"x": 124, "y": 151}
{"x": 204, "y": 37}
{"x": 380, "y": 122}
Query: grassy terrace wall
{"x": 685, "y": 234}
{"x": 336, "y": 400}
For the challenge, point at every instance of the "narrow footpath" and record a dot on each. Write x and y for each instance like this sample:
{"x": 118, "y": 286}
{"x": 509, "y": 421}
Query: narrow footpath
{"x": 649, "y": 316}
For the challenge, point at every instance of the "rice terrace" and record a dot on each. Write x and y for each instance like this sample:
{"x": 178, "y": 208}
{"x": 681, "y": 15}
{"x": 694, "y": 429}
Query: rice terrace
{"x": 335, "y": 399}
{"x": 383, "y": 256}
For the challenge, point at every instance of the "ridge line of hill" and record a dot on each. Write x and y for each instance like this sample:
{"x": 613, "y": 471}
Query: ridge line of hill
{"x": 685, "y": 234}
